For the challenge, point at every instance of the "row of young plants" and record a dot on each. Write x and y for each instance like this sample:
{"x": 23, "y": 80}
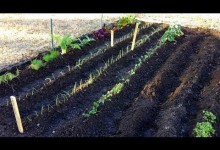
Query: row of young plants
{"x": 63, "y": 97}
{"x": 169, "y": 35}
{"x": 64, "y": 43}
{"x": 78, "y": 64}
{"x": 36, "y": 64}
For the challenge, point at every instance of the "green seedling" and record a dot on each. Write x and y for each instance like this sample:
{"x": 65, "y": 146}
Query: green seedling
{"x": 75, "y": 46}
{"x": 115, "y": 90}
{"x": 171, "y": 33}
{"x": 37, "y": 64}
{"x": 8, "y": 76}
{"x": 49, "y": 57}
{"x": 85, "y": 41}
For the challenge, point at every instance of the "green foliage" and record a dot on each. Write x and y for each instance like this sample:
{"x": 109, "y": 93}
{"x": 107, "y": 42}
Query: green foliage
{"x": 205, "y": 128}
{"x": 64, "y": 42}
{"x": 86, "y": 40}
{"x": 49, "y": 57}
{"x": 37, "y": 64}
{"x": 115, "y": 90}
{"x": 126, "y": 20}
{"x": 75, "y": 46}
{"x": 209, "y": 116}
{"x": 171, "y": 33}
{"x": 8, "y": 76}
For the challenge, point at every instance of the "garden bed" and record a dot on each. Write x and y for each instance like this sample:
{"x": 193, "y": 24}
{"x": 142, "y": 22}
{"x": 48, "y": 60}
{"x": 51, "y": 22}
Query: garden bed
{"x": 164, "y": 96}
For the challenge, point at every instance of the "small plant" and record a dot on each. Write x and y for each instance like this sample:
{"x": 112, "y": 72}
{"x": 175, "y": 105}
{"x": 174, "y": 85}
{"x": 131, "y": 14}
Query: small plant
{"x": 8, "y": 76}
{"x": 205, "y": 128}
{"x": 115, "y": 90}
{"x": 86, "y": 40}
{"x": 75, "y": 46}
{"x": 64, "y": 42}
{"x": 171, "y": 33}
{"x": 49, "y": 57}
{"x": 126, "y": 20}
{"x": 36, "y": 64}
{"x": 209, "y": 116}
{"x": 101, "y": 33}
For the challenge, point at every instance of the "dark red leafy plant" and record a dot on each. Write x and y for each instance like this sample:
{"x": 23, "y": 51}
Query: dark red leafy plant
{"x": 100, "y": 34}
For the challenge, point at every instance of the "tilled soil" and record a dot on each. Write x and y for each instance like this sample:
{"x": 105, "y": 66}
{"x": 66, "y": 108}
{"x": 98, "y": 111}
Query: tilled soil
{"x": 164, "y": 98}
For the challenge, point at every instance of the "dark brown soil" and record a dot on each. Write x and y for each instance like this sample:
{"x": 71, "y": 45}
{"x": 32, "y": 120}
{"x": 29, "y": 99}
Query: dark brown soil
{"x": 165, "y": 98}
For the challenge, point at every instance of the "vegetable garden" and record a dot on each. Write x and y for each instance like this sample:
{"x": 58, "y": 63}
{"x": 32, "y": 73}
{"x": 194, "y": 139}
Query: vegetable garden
{"x": 164, "y": 87}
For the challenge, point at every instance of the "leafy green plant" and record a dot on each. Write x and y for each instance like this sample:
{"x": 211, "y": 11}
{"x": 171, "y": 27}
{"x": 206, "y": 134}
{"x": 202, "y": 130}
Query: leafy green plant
{"x": 126, "y": 20}
{"x": 64, "y": 42}
{"x": 205, "y": 128}
{"x": 75, "y": 46}
{"x": 171, "y": 33}
{"x": 36, "y": 64}
{"x": 8, "y": 76}
{"x": 49, "y": 57}
{"x": 209, "y": 116}
{"x": 86, "y": 40}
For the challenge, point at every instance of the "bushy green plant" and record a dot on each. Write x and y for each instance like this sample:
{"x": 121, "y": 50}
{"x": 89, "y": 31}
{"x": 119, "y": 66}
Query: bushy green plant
{"x": 205, "y": 128}
{"x": 209, "y": 116}
{"x": 126, "y": 20}
{"x": 36, "y": 64}
{"x": 171, "y": 33}
{"x": 51, "y": 56}
{"x": 8, "y": 76}
{"x": 64, "y": 42}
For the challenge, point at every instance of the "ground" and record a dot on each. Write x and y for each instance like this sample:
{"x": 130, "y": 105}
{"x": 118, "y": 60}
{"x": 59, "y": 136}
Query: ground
{"x": 164, "y": 98}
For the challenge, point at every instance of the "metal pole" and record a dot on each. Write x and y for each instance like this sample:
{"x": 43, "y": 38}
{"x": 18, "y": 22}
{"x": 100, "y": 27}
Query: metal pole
{"x": 101, "y": 21}
{"x": 51, "y": 27}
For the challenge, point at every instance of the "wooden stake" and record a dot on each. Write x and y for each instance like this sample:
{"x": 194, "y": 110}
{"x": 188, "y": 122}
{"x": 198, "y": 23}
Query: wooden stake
{"x": 135, "y": 34}
{"x": 112, "y": 38}
{"x": 17, "y": 114}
